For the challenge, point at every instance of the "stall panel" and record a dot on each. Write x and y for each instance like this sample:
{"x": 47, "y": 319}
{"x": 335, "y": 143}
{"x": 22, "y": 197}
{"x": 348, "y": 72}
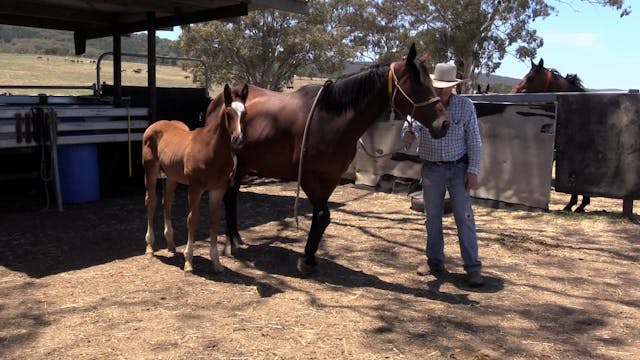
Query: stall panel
{"x": 598, "y": 145}
{"x": 378, "y": 149}
{"x": 517, "y": 153}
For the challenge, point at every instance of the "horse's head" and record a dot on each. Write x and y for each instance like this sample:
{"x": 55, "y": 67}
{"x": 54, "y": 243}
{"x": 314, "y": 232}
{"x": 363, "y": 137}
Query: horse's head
{"x": 540, "y": 79}
{"x": 412, "y": 93}
{"x": 234, "y": 114}
{"x": 536, "y": 80}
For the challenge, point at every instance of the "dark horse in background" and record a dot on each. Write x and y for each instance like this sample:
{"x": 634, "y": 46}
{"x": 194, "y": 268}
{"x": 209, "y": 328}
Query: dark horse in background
{"x": 345, "y": 108}
{"x": 540, "y": 80}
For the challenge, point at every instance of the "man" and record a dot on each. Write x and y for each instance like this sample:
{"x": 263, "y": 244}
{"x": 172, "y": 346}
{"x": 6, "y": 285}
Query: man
{"x": 451, "y": 164}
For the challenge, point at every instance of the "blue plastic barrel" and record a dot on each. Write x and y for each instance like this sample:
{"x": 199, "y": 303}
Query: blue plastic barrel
{"x": 79, "y": 173}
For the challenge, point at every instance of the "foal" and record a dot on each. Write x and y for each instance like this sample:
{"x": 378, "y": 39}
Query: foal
{"x": 204, "y": 159}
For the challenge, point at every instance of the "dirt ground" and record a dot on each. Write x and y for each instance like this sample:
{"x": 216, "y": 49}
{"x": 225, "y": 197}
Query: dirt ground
{"x": 77, "y": 285}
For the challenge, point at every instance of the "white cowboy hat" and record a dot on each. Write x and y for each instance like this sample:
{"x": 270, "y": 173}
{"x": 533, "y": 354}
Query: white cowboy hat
{"x": 444, "y": 76}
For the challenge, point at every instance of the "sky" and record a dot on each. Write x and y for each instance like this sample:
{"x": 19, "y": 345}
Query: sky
{"x": 591, "y": 41}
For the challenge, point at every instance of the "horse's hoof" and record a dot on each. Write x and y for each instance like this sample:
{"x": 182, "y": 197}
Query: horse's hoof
{"x": 229, "y": 250}
{"x": 172, "y": 250}
{"x": 226, "y": 250}
{"x": 304, "y": 268}
{"x": 188, "y": 269}
{"x": 566, "y": 209}
{"x": 149, "y": 252}
{"x": 235, "y": 239}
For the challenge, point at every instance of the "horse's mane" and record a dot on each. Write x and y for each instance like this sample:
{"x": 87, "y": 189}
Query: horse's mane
{"x": 575, "y": 80}
{"x": 572, "y": 79}
{"x": 214, "y": 107}
{"x": 350, "y": 91}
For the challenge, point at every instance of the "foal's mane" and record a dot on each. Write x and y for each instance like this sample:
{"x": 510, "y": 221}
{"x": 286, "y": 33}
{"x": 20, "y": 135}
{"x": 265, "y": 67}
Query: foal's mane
{"x": 353, "y": 90}
{"x": 214, "y": 107}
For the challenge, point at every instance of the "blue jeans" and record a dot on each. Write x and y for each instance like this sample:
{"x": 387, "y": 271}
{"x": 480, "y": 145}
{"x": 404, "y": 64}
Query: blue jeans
{"x": 436, "y": 179}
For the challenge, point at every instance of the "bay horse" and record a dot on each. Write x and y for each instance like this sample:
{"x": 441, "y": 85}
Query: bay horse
{"x": 204, "y": 159}
{"x": 540, "y": 80}
{"x": 344, "y": 109}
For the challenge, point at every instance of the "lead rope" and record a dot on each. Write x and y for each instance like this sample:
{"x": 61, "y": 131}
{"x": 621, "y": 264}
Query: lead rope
{"x": 302, "y": 150}
{"x": 375, "y": 156}
{"x": 49, "y": 124}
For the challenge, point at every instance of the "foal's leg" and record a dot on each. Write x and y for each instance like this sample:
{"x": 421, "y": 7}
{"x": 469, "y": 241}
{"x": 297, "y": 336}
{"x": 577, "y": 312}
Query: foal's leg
{"x": 215, "y": 207}
{"x": 150, "y": 201}
{"x": 586, "y": 200}
{"x": 231, "y": 217}
{"x": 319, "y": 222}
{"x": 169, "y": 196}
{"x": 192, "y": 226}
{"x": 572, "y": 202}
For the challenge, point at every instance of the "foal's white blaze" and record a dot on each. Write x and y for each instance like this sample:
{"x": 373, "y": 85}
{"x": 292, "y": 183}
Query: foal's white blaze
{"x": 240, "y": 109}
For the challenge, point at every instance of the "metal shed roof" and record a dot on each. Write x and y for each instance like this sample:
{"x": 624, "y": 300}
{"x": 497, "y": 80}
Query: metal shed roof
{"x": 90, "y": 19}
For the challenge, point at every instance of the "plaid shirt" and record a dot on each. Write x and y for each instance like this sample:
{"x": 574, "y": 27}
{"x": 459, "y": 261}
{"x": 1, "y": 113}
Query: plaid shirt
{"x": 462, "y": 138}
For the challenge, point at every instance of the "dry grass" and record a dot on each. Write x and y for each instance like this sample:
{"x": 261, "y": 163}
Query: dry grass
{"x": 559, "y": 286}
{"x": 29, "y": 69}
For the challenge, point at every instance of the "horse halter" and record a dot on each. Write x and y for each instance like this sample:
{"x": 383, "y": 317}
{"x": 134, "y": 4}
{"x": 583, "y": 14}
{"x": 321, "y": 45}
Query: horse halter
{"x": 393, "y": 80}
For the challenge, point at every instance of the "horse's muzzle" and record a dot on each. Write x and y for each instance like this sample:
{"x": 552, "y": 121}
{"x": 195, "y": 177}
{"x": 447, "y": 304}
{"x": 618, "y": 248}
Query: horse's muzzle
{"x": 237, "y": 142}
{"x": 439, "y": 127}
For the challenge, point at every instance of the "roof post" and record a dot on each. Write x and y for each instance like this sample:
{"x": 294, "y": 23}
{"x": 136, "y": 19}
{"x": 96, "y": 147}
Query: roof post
{"x": 151, "y": 65}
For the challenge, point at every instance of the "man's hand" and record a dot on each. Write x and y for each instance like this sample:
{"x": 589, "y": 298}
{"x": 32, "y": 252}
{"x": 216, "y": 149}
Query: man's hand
{"x": 470, "y": 181}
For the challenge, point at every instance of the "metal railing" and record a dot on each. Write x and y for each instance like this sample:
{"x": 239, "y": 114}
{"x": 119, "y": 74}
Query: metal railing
{"x": 204, "y": 64}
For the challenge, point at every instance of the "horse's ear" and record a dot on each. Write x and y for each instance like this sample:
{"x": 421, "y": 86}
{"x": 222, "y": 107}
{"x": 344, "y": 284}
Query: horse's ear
{"x": 540, "y": 64}
{"x": 411, "y": 57}
{"x": 245, "y": 92}
{"x": 533, "y": 65}
{"x": 227, "y": 95}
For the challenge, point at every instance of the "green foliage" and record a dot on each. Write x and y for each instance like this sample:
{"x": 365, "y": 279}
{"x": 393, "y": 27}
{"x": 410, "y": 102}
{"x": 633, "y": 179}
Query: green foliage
{"x": 267, "y": 48}
{"x": 474, "y": 34}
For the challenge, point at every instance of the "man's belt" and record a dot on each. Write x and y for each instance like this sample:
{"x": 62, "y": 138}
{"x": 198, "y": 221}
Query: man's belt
{"x": 463, "y": 159}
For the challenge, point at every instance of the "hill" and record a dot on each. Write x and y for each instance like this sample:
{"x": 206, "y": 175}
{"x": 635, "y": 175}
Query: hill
{"x": 24, "y": 40}
{"x": 498, "y": 84}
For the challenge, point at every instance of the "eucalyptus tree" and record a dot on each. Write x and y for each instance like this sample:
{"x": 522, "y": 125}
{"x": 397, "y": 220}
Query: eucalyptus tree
{"x": 266, "y": 48}
{"x": 477, "y": 34}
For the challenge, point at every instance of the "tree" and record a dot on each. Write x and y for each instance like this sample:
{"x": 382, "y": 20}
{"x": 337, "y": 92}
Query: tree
{"x": 266, "y": 48}
{"x": 476, "y": 34}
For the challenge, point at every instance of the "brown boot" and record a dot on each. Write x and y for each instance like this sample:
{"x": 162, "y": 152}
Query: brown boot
{"x": 474, "y": 279}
